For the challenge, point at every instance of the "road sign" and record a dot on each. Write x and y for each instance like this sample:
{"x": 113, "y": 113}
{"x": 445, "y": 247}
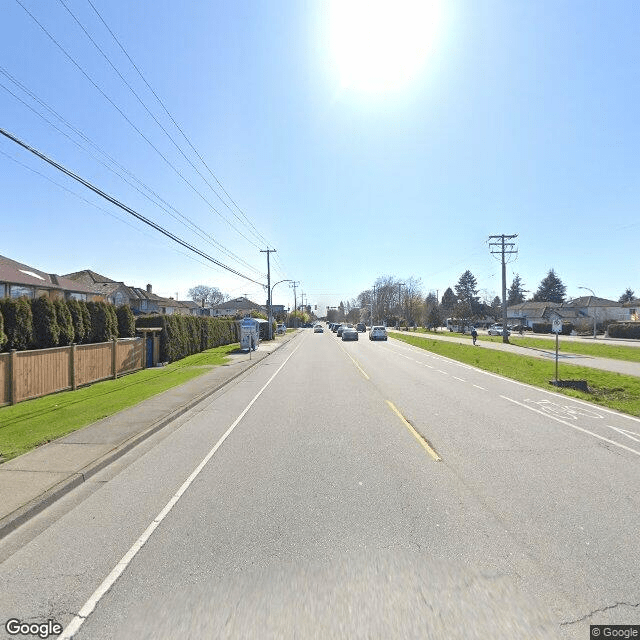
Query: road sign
{"x": 556, "y": 325}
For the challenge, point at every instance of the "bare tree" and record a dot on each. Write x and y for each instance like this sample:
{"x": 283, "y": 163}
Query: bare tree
{"x": 207, "y": 295}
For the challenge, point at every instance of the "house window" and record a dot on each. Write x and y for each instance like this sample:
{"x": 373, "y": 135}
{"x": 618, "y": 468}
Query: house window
{"x": 3, "y": 290}
{"x": 16, "y": 291}
{"x": 143, "y": 305}
{"x": 119, "y": 299}
{"x": 77, "y": 296}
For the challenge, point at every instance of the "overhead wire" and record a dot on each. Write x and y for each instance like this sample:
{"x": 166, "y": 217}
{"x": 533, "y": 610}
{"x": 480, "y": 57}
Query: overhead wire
{"x": 184, "y": 220}
{"x": 133, "y": 126}
{"x": 184, "y": 135}
{"x": 106, "y": 211}
{"x": 124, "y": 207}
{"x": 144, "y": 106}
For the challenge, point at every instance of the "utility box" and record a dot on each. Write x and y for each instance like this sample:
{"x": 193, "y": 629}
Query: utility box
{"x": 249, "y": 334}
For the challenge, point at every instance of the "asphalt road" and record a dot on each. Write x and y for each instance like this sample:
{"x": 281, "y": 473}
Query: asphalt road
{"x": 348, "y": 490}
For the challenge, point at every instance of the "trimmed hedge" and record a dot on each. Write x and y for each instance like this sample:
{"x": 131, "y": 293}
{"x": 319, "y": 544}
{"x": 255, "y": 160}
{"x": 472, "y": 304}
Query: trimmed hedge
{"x": 65, "y": 323}
{"x": 545, "y": 327}
{"x": 104, "y": 322}
{"x": 126, "y": 322}
{"x": 3, "y": 337}
{"x": 46, "y": 332}
{"x": 18, "y": 323}
{"x": 182, "y": 336}
{"x": 81, "y": 328}
{"x": 624, "y": 330}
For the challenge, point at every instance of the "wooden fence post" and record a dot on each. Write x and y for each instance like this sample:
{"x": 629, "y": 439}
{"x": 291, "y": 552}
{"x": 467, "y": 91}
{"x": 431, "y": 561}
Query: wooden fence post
{"x": 113, "y": 358}
{"x": 12, "y": 376}
{"x": 72, "y": 366}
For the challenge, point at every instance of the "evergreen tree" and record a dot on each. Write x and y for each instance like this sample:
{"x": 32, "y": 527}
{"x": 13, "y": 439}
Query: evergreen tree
{"x": 65, "y": 323}
{"x": 551, "y": 289}
{"x": 126, "y": 322}
{"x": 627, "y": 296}
{"x": 3, "y": 337}
{"x": 18, "y": 323}
{"x": 467, "y": 291}
{"x": 46, "y": 332}
{"x": 449, "y": 301}
{"x": 516, "y": 292}
{"x": 80, "y": 328}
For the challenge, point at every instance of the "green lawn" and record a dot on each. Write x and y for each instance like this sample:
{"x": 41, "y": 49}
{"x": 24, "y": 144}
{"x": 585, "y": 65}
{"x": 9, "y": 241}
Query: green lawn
{"x": 611, "y": 390}
{"x": 598, "y": 350}
{"x": 28, "y": 424}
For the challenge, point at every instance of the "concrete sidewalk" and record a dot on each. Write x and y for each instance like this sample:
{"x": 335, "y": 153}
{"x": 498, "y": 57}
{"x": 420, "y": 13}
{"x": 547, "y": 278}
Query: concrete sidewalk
{"x": 36, "y": 479}
{"x": 605, "y": 364}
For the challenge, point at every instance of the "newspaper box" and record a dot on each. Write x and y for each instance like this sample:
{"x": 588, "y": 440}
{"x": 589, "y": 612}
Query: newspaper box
{"x": 249, "y": 334}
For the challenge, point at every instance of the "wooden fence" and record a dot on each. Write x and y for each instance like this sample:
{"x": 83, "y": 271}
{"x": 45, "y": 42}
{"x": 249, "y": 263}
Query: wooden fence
{"x": 31, "y": 374}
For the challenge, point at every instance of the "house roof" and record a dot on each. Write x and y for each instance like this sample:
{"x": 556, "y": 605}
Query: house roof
{"x": 238, "y": 304}
{"x": 591, "y": 301}
{"x": 13, "y": 272}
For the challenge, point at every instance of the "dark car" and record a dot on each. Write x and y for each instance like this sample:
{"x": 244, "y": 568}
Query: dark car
{"x": 349, "y": 333}
{"x": 341, "y": 328}
{"x": 361, "y": 327}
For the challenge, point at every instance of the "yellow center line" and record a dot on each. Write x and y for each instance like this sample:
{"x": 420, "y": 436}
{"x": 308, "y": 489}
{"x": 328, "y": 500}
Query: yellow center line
{"x": 354, "y": 362}
{"x": 417, "y": 436}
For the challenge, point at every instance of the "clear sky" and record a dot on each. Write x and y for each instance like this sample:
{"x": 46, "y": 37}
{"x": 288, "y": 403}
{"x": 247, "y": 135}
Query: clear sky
{"x": 357, "y": 140}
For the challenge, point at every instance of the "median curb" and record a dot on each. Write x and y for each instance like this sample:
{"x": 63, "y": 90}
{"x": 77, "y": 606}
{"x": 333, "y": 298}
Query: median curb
{"x": 11, "y": 521}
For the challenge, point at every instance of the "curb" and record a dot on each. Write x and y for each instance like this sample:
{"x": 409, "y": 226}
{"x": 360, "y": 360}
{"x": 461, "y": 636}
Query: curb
{"x": 27, "y": 511}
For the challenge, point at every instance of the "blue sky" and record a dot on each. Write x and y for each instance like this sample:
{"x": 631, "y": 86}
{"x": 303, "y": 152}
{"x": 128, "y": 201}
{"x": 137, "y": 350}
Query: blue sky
{"x": 506, "y": 117}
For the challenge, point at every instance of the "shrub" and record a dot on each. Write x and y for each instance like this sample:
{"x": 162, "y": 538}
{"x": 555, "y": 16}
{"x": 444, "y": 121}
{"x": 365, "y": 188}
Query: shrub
{"x": 18, "y": 323}
{"x": 541, "y": 327}
{"x": 80, "y": 327}
{"x": 182, "y": 336}
{"x": 104, "y": 323}
{"x": 46, "y": 332}
{"x": 126, "y": 322}
{"x": 65, "y": 323}
{"x": 625, "y": 330}
{"x": 3, "y": 337}
{"x": 86, "y": 317}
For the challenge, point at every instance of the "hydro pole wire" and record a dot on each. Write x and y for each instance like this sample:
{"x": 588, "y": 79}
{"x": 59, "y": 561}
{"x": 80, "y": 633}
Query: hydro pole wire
{"x": 124, "y": 207}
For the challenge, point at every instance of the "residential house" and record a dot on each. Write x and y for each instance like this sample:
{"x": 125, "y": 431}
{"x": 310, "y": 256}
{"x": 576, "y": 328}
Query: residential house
{"x": 598, "y": 309}
{"x": 20, "y": 280}
{"x": 530, "y": 313}
{"x": 633, "y": 309}
{"x": 236, "y": 307}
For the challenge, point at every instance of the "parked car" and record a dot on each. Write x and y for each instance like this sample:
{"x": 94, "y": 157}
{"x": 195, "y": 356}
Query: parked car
{"x": 361, "y": 327}
{"x": 378, "y": 333}
{"x": 334, "y": 327}
{"x": 281, "y": 328}
{"x": 349, "y": 333}
{"x": 496, "y": 330}
{"x": 318, "y": 329}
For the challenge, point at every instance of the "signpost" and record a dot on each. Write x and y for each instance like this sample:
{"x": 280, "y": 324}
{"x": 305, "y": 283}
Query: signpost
{"x": 556, "y": 327}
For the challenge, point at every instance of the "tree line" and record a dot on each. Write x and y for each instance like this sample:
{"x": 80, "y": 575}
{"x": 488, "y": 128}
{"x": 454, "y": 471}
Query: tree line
{"x": 402, "y": 302}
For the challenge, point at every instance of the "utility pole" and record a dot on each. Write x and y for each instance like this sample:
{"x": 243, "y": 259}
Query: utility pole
{"x": 400, "y": 284}
{"x": 295, "y": 303}
{"x": 499, "y": 246}
{"x": 269, "y": 314}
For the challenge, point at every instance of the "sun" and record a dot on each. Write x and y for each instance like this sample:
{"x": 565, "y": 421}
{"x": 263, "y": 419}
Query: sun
{"x": 379, "y": 45}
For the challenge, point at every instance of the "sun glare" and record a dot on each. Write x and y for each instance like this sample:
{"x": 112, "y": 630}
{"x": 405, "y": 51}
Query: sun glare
{"x": 380, "y": 45}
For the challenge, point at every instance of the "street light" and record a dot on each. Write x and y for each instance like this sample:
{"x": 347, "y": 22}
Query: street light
{"x": 594, "y": 310}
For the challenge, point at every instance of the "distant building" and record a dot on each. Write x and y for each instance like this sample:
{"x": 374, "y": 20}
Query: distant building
{"x": 236, "y": 307}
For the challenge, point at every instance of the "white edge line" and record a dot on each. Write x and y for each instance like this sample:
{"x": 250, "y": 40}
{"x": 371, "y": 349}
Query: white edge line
{"x": 530, "y": 386}
{"x": 86, "y": 610}
{"x": 573, "y": 426}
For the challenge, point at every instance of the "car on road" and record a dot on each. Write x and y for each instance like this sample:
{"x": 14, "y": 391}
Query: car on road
{"x": 318, "y": 329}
{"x": 334, "y": 327}
{"x": 342, "y": 327}
{"x": 361, "y": 327}
{"x": 349, "y": 333}
{"x": 496, "y": 330}
{"x": 281, "y": 329}
{"x": 378, "y": 333}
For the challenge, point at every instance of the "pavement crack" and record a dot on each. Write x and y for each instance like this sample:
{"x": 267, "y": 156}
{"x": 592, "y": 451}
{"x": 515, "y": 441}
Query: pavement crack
{"x": 602, "y": 610}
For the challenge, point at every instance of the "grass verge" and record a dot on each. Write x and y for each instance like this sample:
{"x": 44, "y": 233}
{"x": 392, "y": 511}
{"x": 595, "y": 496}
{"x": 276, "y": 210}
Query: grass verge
{"x": 615, "y": 352}
{"x": 611, "y": 390}
{"x": 28, "y": 424}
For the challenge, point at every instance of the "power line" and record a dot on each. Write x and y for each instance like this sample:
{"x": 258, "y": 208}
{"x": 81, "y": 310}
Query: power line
{"x": 133, "y": 64}
{"x": 124, "y": 207}
{"x": 184, "y": 220}
{"x": 143, "y": 104}
{"x": 135, "y": 128}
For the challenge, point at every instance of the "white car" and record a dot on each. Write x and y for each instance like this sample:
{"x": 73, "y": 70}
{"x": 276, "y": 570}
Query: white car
{"x": 378, "y": 333}
{"x": 281, "y": 329}
{"x": 318, "y": 329}
{"x": 496, "y": 330}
